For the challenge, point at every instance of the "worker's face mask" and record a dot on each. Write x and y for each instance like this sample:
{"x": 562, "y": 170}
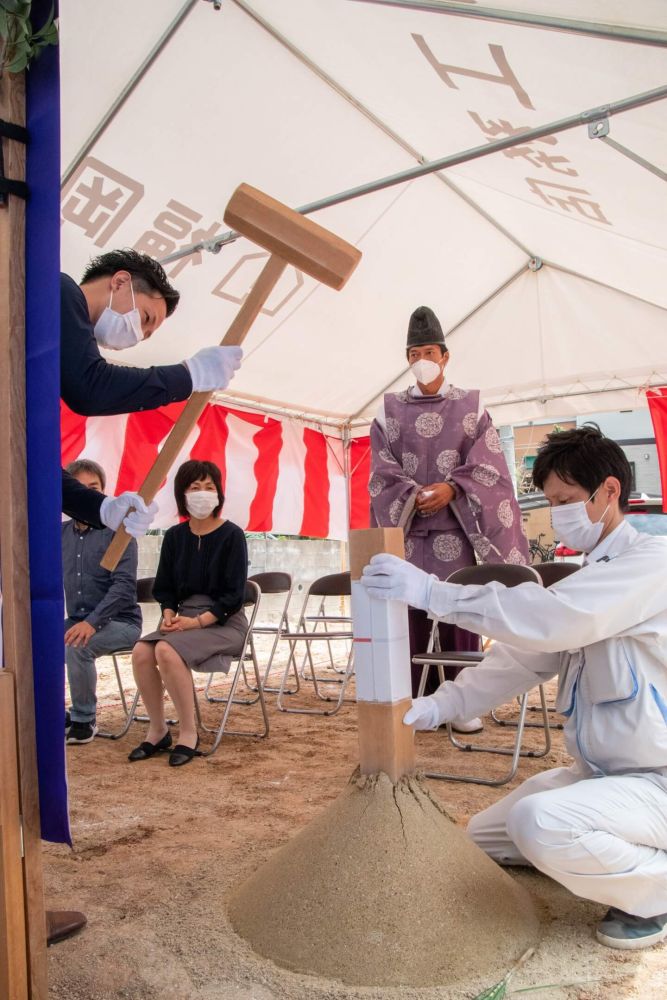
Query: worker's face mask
{"x": 115, "y": 330}
{"x": 574, "y": 528}
{"x": 201, "y": 503}
{"x": 426, "y": 371}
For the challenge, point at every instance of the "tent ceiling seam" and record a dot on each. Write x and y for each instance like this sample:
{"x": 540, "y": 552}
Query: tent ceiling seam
{"x": 376, "y": 121}
{"x": 128, "y": 89}
{"x": 448, "y": 333}
{"x": 602, "y": 284}
{"x": 598, "y": 29}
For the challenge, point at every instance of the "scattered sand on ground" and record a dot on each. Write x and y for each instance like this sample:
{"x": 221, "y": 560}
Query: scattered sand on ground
{"x": 159, "y": 850}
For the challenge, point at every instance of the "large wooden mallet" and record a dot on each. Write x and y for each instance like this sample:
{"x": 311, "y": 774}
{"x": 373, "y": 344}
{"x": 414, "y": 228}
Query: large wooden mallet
{"x": 290, "y": 239}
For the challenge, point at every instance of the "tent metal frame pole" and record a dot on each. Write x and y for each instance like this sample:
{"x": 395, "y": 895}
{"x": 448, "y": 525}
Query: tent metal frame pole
{"x": 635, "y": 157}
{"x": 454, "y": 159}
{"x": 598, "y": 29}
{"x": 448, "y": 333}
{"x": 128, "y": 89}
{"x": 551, "y": 397}
{"x": 373, "y": 118}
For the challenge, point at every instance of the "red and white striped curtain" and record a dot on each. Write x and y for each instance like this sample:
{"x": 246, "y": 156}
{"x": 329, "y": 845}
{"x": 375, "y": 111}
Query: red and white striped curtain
{"x": 278, "y": 475}
{"x": 657, "y": 404}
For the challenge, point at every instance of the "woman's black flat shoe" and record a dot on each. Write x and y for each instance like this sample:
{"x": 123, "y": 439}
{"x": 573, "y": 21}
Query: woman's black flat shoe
{"x": 146, "y": 750}
{"x": 181, "y": 755}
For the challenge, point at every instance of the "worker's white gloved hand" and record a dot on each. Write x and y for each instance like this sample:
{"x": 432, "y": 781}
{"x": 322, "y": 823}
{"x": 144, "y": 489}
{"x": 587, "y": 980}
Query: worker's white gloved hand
{"x": 424, "y": 714}
{"x": 392, "y": 579}
{"x": 114, "y": 512}
{"x": 213, "y": 367}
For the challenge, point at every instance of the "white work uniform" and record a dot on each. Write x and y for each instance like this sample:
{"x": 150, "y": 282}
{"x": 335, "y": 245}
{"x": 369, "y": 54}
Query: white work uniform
{"x": 600, "y": 826}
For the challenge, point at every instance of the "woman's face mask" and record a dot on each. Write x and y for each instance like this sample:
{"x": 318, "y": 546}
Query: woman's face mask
{"x": 426, "y": 371}
{"x": 574, "y": 528}
{"x": 201, "y": 503}
{"x": 115, "y": 330}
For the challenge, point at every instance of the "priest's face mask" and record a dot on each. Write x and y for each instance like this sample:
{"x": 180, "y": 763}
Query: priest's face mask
{"x": 427, "y": 362}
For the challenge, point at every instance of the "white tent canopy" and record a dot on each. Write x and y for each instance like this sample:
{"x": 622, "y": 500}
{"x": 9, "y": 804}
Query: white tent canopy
{"x": 545, "y": 261}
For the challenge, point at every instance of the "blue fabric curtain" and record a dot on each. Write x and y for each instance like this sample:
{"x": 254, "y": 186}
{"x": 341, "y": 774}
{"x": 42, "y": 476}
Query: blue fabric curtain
{"x": 43, "y": 428}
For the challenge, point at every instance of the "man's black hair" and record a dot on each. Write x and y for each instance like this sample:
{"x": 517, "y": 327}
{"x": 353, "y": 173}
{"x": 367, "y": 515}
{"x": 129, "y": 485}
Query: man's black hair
{"x": 443, "y": 349}
{"x": 191, "y": 472}
{"x": 87, "y": 465}
{"x": 147, "y": 275}
{"x": 585, "y": 457}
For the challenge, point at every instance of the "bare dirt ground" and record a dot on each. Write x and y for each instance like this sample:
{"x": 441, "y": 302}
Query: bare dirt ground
{"x": 157, "y": 849}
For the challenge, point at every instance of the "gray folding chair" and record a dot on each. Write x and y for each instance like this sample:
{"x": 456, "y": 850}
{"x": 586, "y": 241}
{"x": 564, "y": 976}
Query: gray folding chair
{"x": 252, "y": 599}
{"x": 316, "y": 629}
{"x": 277, "y": 584}
{"x": 510, "y": 576}
{"x": 144, "y": 596}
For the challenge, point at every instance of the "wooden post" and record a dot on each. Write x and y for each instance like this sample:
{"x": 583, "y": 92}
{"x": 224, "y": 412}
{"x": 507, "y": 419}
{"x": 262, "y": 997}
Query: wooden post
{"x": 17, "y": 646}
{"x": 382, "y": 663}
{"x": 13, "y": 953}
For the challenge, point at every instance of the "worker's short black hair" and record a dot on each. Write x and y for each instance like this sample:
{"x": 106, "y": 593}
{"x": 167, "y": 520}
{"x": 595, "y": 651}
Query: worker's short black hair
{"x": 191, "y": 472}
{"x": 87, "y": 465}
{"x": 147, "y": 275}
{"x": 585, "y": 457}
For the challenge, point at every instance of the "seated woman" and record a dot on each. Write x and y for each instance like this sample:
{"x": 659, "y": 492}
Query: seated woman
{"x": 200, "y": 585}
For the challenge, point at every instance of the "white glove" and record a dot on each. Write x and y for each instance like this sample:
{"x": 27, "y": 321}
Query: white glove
{"x": 392, "y": 579}
{"x": 424, "y": 714}
{"x": 213, "y": 367}
{"x": 114, "y": 512}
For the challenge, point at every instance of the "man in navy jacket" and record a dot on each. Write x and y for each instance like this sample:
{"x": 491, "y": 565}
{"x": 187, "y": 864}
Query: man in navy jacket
{"x": 124, "y": 297}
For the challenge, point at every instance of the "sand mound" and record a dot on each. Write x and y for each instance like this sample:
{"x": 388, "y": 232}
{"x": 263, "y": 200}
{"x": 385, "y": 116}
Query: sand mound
{"x": 384, "y": 889}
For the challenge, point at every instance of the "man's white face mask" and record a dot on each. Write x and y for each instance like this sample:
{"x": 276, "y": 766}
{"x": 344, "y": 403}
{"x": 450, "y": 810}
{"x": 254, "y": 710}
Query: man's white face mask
{"x": 574, "y": 528}
{"x": 115, "y": 330}
{"x": 201, "y": 503}
{"x": 426, "y": 371}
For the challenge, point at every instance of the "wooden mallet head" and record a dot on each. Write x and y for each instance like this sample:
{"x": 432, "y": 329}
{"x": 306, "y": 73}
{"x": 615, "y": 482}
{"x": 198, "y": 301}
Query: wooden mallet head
{"x": 294, "y": 238}
{"x": 290, "y": 239}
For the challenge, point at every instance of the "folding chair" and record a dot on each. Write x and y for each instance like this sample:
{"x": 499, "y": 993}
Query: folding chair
{"x": 308, "y": 631}
{"x": 275, "y": 583}
{"x": 510, "y": 576}
{"x": 144, "y": 596}
{"x": 252, "y": 599}
{"x": 550, "y": 573}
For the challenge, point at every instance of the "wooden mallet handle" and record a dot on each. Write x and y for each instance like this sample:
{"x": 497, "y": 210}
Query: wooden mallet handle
{"x": 194, "y": 407}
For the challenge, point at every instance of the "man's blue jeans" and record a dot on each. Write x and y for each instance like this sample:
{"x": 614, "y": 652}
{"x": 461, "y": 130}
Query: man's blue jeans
{"x": 81, "y": 670}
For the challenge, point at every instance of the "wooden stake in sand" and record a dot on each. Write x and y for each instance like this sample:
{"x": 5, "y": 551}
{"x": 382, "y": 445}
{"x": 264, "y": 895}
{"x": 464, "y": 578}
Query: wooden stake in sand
{"x": 383, "y": 888}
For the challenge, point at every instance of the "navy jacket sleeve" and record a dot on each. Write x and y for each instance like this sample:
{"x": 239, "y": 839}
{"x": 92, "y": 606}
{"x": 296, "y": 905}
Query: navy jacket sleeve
{"x": 80, "y": 502}
{"x": 92, "y": 386}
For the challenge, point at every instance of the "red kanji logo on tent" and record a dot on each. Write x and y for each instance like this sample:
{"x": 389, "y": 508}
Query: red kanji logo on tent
{"x": 98, "y": 199}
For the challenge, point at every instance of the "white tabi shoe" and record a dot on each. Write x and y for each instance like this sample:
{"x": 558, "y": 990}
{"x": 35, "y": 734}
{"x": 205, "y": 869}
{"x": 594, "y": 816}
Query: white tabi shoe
{"x": 470, "y": 726}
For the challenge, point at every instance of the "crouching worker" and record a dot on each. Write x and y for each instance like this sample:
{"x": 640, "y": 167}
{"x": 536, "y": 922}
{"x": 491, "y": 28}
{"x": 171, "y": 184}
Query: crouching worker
{"x": 200, "y": 585}
{"x": 599, "y": 827}
{"x": 102, "y": 611}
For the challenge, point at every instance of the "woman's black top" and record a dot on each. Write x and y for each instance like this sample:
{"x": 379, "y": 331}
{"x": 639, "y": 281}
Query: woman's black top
{"x": 215, "y": 564}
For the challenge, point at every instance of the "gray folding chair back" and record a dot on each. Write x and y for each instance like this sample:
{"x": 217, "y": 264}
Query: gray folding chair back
{"x": 315, "y": 628}
{"x": 553, "y": 572}
{"x": 252, "y": 600}
{"x": 332, "y": 585}
{"x": 274, "y": 583}
{"x": 144, "y": 596}
{"x": 509, "y": 575}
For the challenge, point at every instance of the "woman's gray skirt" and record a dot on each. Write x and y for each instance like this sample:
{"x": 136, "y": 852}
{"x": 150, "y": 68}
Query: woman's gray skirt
{"x": 207, "y": 649}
